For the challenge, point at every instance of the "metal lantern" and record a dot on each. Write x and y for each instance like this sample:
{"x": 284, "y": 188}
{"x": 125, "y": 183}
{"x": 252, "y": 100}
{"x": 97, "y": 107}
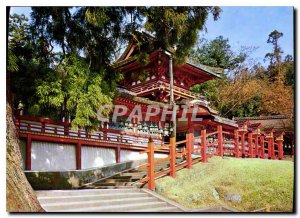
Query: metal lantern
{"x": 145, "y": 127}
{"x": 151, "y": 128}
{"x": 140, "y": 127}
{"x": 161, "y": 131}
{"x": 269, "y": 134}
{"x": 166, "y": 131}
{"x": 280, "y": 137}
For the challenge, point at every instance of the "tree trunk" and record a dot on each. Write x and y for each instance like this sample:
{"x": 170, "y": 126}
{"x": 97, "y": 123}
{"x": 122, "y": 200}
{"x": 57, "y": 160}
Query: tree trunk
{"x": 20, "y": 196}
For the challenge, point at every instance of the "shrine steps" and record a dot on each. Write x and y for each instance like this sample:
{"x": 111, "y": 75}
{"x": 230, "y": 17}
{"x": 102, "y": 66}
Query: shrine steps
{"x": 129, "y": 178}
{"x": 104, "y": 200}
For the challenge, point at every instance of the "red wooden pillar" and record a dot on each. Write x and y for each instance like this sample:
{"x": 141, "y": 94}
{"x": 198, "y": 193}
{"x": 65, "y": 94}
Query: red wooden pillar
{"x": 280, "y": 149}
{"x": 262, "y": 147}
{"x": 118, "y": 154}
{"x": 43, "y": 127}
{"x": 220, "y": 140}
{"x": 78, "y": 156}
{"x": 28, "y": 153}
{"x": 191, "y": 130}
{"x": 250, "y": 145}
{"x": 256, "y": 145}
{"x": 66, "y": 128}
{"x": 172, "y": 156}
{"x": 189, "y": 143}
{"x": 272, "y": 149}
{"x": 203, "y": 142}
{"x": 269, "y": 148}
{"x": 243, "y": 144}
{"x": 236, "y": 143}
{"x": 151, "y": 184}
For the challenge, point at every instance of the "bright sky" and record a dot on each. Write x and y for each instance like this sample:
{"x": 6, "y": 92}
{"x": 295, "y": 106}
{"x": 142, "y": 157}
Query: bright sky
{"x": 244, "y": 26}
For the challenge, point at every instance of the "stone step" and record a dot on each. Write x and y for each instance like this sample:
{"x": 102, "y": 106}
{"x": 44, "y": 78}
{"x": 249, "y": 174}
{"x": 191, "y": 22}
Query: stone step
{"x": 110, "y": 187}
{"x": 80, "y": 192}
{"x": 135, "y": 175}
{"x": 158, "y": 209}
{"x": 95, "y": 203}
{"x": 119, "y": 208}
{"x": 118, "y": 180}
{"x": 79, "y": 197}
{"x": 121, "y": 177}
{"x": 112, "y": 183}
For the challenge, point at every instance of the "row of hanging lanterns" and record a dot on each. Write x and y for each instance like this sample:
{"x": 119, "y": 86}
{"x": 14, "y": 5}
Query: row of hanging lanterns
{"x": 150, "y": 128}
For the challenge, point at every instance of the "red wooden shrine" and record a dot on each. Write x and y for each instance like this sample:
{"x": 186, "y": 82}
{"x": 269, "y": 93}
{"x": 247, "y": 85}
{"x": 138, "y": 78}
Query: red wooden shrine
{"x": 195, "y": 140}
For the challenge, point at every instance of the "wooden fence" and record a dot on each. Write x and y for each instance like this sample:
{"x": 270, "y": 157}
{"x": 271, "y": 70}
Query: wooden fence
{"x": 237, "y": 143}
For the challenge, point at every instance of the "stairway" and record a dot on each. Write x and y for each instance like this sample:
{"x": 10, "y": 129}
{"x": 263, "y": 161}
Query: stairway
{"x": 104, "y": 200}
{"x": 119, "y": 193}
{"x": 127, "y": 179}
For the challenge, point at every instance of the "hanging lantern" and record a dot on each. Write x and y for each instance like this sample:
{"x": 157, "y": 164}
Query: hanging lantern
{"x": 166, "y": 131}
{"x": 145, "y": 127}
{"x": 279, "y": 138}
{"x": 140, "y": 127}
{"x": 161, "y": 131}
{"x": 269, "y": 134}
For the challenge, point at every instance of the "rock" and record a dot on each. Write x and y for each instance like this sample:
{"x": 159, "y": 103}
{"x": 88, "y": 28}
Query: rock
{"x": 215, "y": 193}
{"x": 235, "y": 198}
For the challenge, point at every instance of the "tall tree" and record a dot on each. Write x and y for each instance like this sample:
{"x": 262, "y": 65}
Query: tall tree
{"x": 177, "y": 27}
{"x": 20, "y": 196}
{"x": 275, "y": 56}
{"x": 219, "y": 54}
{"x": 82, "y": 44}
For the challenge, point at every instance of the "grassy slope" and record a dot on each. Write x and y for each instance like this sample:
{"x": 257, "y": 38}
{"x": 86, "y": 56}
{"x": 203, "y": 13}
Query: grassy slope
{"x": 259, "y": 182}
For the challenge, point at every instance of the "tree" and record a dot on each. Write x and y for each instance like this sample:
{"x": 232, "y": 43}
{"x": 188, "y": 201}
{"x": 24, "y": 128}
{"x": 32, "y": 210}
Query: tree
{"x": 275, "y": 56}
{"x": 218, "y": 53}
{"x": 85, "y": 43}
{"x": 177, "y": 27}
{"x": 20, "y": 196}
{"x": 252, "y": 91}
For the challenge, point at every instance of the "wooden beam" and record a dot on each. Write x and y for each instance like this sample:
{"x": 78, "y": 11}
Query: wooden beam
{"x": 220, "y": 140}
{"x": 78, "y": 156}
{"x": 118, "y": 154}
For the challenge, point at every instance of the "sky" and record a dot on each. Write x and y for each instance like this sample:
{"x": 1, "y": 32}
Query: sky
{"x": 244, "y": 26}
{"x": 250, "y": 26}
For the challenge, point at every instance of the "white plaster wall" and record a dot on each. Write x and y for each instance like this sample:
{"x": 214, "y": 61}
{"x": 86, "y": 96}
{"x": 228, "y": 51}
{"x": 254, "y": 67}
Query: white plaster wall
{"x": 97, "y": 156}
{"x": 47, "y": 156}
{"x": 127, "y": 155}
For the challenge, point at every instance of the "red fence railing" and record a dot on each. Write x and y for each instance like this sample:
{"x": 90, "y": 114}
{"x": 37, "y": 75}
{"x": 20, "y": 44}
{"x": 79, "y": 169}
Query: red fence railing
{"x": 236, "y": 143}
{"x": 47, "y": 126}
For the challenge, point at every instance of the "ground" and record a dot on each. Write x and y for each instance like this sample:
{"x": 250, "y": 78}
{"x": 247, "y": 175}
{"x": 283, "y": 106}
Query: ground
{"x": 260, "y": 182}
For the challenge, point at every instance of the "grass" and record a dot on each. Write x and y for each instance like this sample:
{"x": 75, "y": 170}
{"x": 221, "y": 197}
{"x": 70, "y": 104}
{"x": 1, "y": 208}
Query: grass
{"x": 260, "y": 183}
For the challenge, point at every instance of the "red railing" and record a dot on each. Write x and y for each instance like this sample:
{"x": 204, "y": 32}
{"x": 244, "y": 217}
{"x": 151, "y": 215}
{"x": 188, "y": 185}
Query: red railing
{"x": 47, "y": 126}
{"x": 236, "y": 143}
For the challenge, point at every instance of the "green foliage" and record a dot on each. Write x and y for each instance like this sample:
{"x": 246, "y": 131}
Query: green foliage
{"x": 177, "y": 27}
{"x": 275, "y": 56}
{"x": 77, "y": 77}
{"x": 218, "y": 53}
{"x": 79, "y": 88}
{"x": 248, "y": 92}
